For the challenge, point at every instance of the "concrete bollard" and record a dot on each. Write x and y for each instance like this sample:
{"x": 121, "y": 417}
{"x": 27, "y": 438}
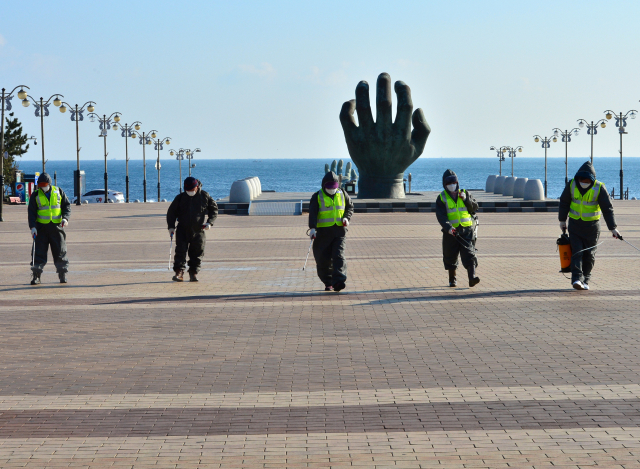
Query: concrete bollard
{"x": 518, "y": 187}
{"x": 491, "y": 182}
{"x": 534, "y": 190}
{"x": 507, "y": 188}
{"x": 499, "y": 184}
{"x": 240, "y": 192}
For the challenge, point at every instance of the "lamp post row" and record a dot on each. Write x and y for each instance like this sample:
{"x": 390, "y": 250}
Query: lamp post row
{"x": 592, "y": 129}
{"x": 76, "y": 115}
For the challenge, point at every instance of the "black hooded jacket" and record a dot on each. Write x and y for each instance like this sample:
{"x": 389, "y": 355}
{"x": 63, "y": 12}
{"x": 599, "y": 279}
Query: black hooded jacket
{"x": 587, "y": 171}
{"x": 314, "y": 206}
{"x": 192, "y": 212}
{"x": 441, "y": 209}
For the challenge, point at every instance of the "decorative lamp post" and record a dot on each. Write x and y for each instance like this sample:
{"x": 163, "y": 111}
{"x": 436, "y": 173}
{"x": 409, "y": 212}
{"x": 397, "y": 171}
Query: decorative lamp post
{"x": 566, "y": 138}
{"x": 592, "y": 129}
{"x": 621, "y": 124}
{"x": 77, "y": 116}
{"x": 6, "y": 104}
{"x": 127, "y": 132}
{"x": 179, "y": 156}
{"x": 546, "y": 143}
{"x": 42, "y": 110}
{"x": 105, "y": 123}
{"x": 190, "y": 155}
{"x": 500, "y": 152}
{"x": 145, "y": 139}
{"x": 158, "y": 145}
{"x": 512, "y": 155}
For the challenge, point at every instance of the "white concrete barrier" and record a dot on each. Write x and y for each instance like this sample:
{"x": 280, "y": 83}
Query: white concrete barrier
{"x": 491, "y": 181}
{"x": 518, "y": 187}
{"x": 498, "y": 185}
{"x": 534, "y": 190}
{"x": 241, "y": 192}
{"x": 507, "y": 188}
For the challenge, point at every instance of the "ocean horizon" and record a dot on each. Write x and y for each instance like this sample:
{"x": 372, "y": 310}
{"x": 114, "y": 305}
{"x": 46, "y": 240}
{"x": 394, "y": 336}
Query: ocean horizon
{"x": 304, "y": 175}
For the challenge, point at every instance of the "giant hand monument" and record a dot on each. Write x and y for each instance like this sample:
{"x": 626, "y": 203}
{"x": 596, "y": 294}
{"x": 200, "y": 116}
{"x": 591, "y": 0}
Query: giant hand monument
{"x": 383, "y": 149}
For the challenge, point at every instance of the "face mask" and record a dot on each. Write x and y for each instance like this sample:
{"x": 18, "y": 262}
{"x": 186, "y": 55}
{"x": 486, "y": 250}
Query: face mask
{"x": 191, "y": 193}
{"x": 330, "y": 191}
{"x": 584, "y": 185}
{"x": 451, "y": 187}
{"x": 46, "y": 188}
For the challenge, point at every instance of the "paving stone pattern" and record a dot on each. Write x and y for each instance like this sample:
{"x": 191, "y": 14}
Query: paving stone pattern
{"x": 256, "y": 366}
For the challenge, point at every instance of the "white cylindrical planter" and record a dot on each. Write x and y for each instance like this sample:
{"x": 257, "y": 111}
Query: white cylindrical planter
{"x": 240, "y": 192}
{"x": 534, "y": 190}
{"x": 507, "y": 188}
{"x": 499, "y": 184}
{"x": 491, "y": 181}
{"x": 518, "y": 187}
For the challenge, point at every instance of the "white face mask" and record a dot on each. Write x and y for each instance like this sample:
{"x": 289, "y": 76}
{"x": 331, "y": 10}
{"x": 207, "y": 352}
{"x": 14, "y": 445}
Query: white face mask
{"x": 191, "y": 193}
{"x": 46, "y": 188}
{"x": 330, "y": 191}
{"x": 451, "y": 187}
{"x": 584, "y": 185}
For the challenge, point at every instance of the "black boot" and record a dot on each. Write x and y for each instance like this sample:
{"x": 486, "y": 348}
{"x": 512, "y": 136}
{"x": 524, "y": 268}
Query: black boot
{"x": 452, "y": 278}
{"x": 179, "y": 276}
{"x": 63, "y": 277}
{"x": 473, "y": 280}
{"x": 36, "y": 278}
{"x": 193, "y": 276}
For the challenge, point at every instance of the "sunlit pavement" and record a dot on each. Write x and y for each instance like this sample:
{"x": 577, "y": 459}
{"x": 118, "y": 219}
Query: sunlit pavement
{"x": 256, "y": 366}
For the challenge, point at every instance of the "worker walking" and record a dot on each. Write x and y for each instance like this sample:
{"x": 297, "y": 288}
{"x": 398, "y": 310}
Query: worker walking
{"x": 585, "y": 200}
{"x": 48, "y": 212}
{"x": 455, "y": 210}
{"x": 195, "y": 210}
{"x": 330, "y": 211}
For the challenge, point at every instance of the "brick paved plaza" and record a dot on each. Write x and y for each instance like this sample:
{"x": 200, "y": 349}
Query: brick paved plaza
{"x": 255, "y": 366}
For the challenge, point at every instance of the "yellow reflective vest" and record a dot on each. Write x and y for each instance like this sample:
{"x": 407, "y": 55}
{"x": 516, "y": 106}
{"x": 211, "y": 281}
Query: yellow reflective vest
{"x": 585, "y": 207}
{"x": 457, "y": 212}
{"x": 331, "y": 210}
{"x": 49, "y": 210}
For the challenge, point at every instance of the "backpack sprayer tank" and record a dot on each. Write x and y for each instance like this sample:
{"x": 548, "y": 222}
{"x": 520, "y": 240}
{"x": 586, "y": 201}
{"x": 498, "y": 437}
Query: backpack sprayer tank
{"x": 564, "y": 249}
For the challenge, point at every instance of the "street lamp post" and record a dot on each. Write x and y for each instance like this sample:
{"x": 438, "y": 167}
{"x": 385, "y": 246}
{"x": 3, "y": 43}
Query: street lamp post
{"x": 159, "y": 146}
{"x": 621, "y": 123}
{"x": 76, "y": 115}
{"x": 566, "y": 138}
{"x": 42, "y": 110}
{"x": 127, "y": 132}
{"x": 592, "y": 129}
{"x": 6, "y": 104}
{"x": 105, "y": 123}
{"x": 179, "y": 156}
{"x": 546, "y": 143}
{"x": 500, "y": 152}
{"x": 190, "y": 155}
{"x": 512, "y": 154}
{"x": 145, "y": 139}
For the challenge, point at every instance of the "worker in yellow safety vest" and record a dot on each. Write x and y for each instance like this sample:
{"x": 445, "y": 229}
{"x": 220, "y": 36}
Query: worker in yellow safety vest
{"x": 330, "y": 210}
{"x": 455, "y": 210}
{"x": 48, "y": 212}
{"x": 585, "y": 200}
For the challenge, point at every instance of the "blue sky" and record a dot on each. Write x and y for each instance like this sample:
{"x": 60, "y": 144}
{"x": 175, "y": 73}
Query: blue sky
{"x": 267, "y": 79}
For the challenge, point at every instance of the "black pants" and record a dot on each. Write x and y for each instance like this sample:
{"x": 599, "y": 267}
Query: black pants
{"x": 583, "y": 235}
{"x": 188, "y": 242}
{"x": 50, "y": 234}
{"x": 452, "y": 247}
{"x": 328, "y": 251}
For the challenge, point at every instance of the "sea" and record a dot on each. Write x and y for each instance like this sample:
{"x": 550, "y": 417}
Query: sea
{"x": 304, "y": 175}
